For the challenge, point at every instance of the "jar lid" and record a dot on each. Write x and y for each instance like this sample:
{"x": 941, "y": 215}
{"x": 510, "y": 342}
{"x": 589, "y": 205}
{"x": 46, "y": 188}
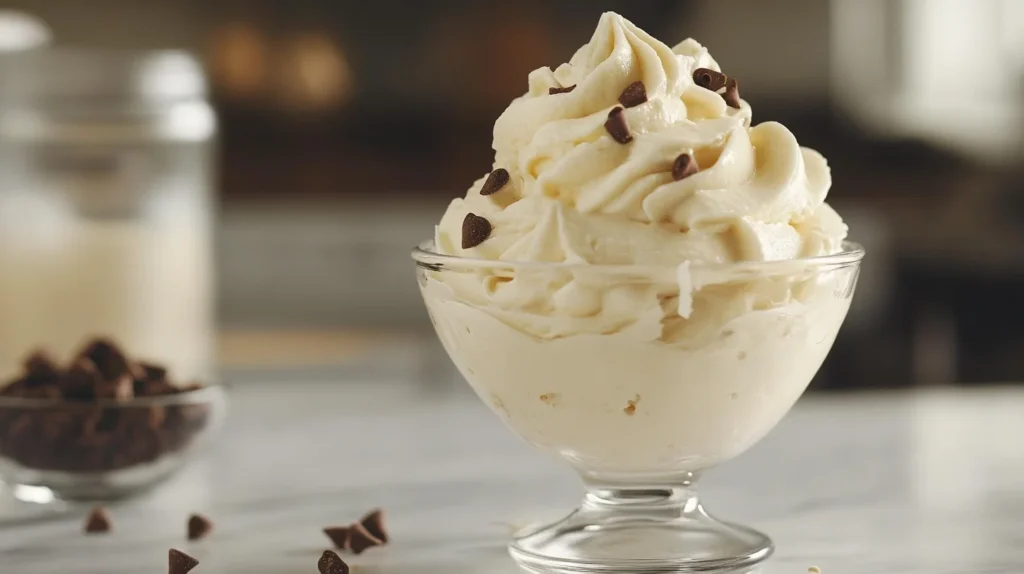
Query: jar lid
{"x": 76, "y": 75}
{"x": 21, "y": 31}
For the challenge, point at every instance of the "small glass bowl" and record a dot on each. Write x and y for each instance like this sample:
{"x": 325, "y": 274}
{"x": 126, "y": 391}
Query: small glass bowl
{"x": 102, "y": 450}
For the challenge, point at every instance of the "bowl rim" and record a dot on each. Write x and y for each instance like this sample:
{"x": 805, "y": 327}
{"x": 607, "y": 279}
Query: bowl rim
{"x": 204, "y": 395}
{"x": 851, "y": 254}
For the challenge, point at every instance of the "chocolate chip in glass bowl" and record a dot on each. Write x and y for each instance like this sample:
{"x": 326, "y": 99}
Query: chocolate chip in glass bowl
{"x": 80, "y": 381}
{"x": 152, "y": 371}
{"x": 108, "y": 358}
{"x": 40, "y": 367}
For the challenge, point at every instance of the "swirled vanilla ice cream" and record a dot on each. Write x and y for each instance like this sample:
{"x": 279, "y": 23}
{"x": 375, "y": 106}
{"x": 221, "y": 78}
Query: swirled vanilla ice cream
{"x": 613, "y": 311}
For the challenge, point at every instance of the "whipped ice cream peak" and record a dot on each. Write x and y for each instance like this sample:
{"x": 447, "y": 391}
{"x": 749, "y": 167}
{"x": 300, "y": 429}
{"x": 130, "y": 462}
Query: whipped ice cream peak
{"x": 576, "y": 193}
{"x": 635, "y": 153}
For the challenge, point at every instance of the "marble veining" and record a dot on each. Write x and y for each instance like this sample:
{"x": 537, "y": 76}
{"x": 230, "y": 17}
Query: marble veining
{"x": 924, "y": 482}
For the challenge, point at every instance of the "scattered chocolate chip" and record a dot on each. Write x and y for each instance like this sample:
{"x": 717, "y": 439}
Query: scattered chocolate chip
{"x": 684, "y": 167}
{"x": 98, "y": 521}
{"x": 634, "y": 95}
{"x": 373, "y": 522}
{"x": 495, "y": 181}
{"x": 359, "y": 539}
{"x": 198, "y": 527}
{"x": 180, "y": 563}
{"x": 331, "y": 563}
{"x": 475, "y": 230}
{"x": 630, "y": 408}
{"x": 565, "y": 90}
{"x": 709, "y": 79}
{"x": 617, "y": 126}
{"x": 732, "y": 93}
{"x": 338, "y": 535}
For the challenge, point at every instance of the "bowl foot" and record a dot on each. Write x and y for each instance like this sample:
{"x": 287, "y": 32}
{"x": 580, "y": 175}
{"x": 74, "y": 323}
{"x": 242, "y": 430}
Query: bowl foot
{"x": 657, "y": 531}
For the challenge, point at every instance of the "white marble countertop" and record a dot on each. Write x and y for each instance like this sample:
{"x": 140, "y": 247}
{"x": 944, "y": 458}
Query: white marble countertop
{"x": 854, "y": 484}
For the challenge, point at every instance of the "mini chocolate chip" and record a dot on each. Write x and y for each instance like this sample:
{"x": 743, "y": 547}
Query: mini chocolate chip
{"x": 732, "y": 93}
{"x": 153, "y": 371}
{"x": 109, "y": 359}
{"x": 373, "y": 522}
{"x": 180, "y": 563}
{"x": 154, "y": 388}
{"x": 190, "y": 388}
{"x": 198, "y": 527}
{"x": 475, "y": 230}
{"x": 684, "y": 167}
{"x": 40, "y": 366}
{"x": 634, "y": 95}
{"x": 565, "y": 90}
{"x": 495, "y": 181}
{"x": 709, "y": 79}
{"x": 359, "y": 539}
{"x": 15, "y": 388}
{"x": 331, "y": 563}
{"x": 121, "y": 390}
{"x": 338, "y": 535}
{"x": 44, "y": 391}
{"x": 81, "y": 380}
{"x": 98, "y": 521}
{"x": 617, "y": 126}
{"x": 156, "y": 417}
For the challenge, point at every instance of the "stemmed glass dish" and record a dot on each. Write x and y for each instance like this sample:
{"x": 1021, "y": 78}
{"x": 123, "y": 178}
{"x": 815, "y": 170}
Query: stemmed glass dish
{"x": 640, "y": 377}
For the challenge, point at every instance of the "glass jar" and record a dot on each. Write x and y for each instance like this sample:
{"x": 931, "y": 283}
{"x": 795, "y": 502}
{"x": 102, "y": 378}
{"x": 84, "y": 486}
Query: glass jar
{"x": 106, "y": 207}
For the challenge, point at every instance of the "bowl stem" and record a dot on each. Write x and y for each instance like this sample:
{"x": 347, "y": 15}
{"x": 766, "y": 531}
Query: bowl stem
{"x": 633, "y": 529}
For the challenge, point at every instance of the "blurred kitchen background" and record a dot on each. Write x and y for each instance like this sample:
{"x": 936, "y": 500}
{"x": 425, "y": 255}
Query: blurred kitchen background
{"x": 257, "y": 189}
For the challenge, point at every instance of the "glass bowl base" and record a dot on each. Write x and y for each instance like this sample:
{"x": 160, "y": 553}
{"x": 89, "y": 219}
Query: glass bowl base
{"x": 655, "y": 538}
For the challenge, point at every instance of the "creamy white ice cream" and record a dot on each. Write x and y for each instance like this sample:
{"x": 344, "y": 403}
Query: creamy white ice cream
{"x": 683, "y": 358}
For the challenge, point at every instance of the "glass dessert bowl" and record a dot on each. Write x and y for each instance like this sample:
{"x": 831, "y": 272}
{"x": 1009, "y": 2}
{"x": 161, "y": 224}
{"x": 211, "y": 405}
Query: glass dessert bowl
{"x": 640, "y": 377}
